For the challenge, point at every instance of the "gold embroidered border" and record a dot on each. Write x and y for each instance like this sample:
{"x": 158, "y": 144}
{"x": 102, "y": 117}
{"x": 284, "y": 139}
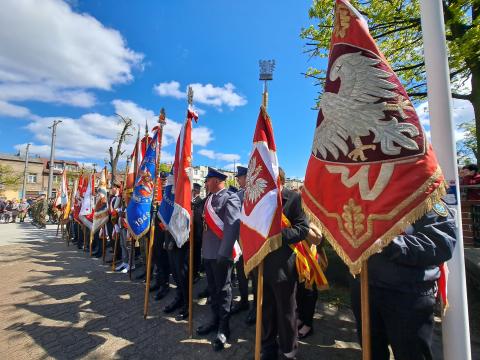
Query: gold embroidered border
{"x": 372, "y": 217}
{"x": 271, "y": 244}
{"x": 416, "y": 213}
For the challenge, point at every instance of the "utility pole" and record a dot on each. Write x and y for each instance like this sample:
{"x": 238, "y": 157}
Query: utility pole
{"x": 52, "y": 157}
{"x": 24, "y": 194}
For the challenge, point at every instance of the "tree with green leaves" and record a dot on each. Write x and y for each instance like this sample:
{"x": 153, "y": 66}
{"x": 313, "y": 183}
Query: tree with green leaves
{"x": 8, "y": 177}
{"x": 467, "y": 147}
{"x": 396, "y": 27}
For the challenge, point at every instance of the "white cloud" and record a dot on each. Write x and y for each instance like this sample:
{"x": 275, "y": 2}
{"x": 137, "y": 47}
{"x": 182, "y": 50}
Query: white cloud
{"x": 206, "y": 94}
{"x": 51, "y": 53}
{"x": 90, "y": 135}
{"x": 218, "y": 156}
{"x": 462, "y": 111}
{"x": 171, "y": 89}
{"x": 13, "y": 110}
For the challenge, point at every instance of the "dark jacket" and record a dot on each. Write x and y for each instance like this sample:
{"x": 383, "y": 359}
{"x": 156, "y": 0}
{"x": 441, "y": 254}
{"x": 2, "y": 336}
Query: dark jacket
{"x": 410, "y": 262}
{"x": 280, "y": 264}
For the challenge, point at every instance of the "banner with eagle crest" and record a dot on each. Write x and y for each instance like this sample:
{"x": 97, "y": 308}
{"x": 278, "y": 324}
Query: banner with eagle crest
{"x": 261, "y": 218}
{"x": 371, "y": 172}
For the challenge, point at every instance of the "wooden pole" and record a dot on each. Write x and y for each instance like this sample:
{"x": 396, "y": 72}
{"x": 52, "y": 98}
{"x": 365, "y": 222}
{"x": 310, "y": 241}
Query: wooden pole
{"x": 91, "y": 241}
{"x": 190, "y": 282}
{"x": 130, "y": 258}
{"x": 115, "y": 249}
{"x": 151, "y": 241}
{"x": 365, "y": 304}
{"x": 258, "y": 326}
{"x": 84, "y": 238}
{"x": 104, "y": 244}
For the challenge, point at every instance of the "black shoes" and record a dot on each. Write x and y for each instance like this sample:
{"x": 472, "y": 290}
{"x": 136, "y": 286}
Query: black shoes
{"x": 207, "y": 328}
{"x": 239, "y": 307}
{"x": 162, "y": 292}
{"x": 219, "y": 342}
{"x": 174, "y": 305}
{"x": 182, "y": 315}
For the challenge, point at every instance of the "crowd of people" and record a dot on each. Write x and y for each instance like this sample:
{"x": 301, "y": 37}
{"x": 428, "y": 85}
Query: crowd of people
{"x": 403, "y": 277}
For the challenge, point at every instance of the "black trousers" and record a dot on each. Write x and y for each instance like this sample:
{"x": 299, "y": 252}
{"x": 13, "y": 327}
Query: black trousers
{"x": 219, "y": 278}
{"x": 178, "y": 258}
{"x": 160, "y": 259}
{"x": 279, "y": 317}
{"x": 306, "y": 300}
{"x": 243, "y": 282}
{"x": 403, "y": 320}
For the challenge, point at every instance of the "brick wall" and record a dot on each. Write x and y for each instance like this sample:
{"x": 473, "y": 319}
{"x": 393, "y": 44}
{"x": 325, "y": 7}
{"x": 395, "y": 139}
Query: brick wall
{"x": 467, "y": 221}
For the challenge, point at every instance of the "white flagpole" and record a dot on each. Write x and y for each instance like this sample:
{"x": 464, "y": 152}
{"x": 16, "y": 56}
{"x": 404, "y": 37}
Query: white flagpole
{"x": 455, "y": 327}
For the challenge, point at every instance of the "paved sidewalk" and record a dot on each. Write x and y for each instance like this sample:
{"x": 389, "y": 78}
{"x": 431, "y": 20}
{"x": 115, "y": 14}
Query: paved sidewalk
{"x": 56, "y": 302}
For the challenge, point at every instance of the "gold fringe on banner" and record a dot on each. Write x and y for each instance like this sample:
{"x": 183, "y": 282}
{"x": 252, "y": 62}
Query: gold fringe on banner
{"x": 414, "y": 214}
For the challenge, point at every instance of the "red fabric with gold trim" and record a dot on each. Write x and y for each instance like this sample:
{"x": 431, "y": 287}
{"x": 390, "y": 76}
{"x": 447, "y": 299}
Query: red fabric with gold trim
{"x": 261, "y": 218}
{"x": 371, "y": 171}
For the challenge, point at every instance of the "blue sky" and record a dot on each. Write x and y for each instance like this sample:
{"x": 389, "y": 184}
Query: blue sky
{"x": 83, "y": 61}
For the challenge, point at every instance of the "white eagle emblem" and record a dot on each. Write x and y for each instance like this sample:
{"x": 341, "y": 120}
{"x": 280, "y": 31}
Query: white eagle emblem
{"x": 355, "y": 111}
{"x": 255, "y": 186}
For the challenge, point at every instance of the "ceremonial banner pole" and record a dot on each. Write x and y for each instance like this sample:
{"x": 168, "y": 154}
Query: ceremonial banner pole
{"x": 191, "y": 250}
{"x": 161, "y": 123}
{"x": 135, "y": 170}
{"x": 266, "y": 74}
{"x": 365, "y": 313}
{"x": 455, "y": 325}
{"x": 93, "y": 207}
{"x": 84, "y": 238}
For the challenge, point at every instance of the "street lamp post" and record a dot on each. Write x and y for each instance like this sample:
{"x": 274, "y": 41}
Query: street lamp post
{"x": 25, "y": 173}
{"x": 52, "y": 157}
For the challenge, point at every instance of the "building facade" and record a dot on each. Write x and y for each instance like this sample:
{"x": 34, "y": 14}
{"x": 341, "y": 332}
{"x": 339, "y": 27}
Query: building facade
{"x": 37, "y": 175}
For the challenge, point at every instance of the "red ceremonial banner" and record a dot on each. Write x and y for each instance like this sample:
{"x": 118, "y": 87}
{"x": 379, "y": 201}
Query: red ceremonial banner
{"x": 261, "y": 218}
{"x": 371, "y": 172}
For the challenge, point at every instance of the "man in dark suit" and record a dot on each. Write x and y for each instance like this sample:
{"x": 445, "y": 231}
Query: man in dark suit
{"x": 280, "y": 282}
{"x": 403, "y": 286}
{"x": 197, "y": 209}
{"x": 222, "y": 221}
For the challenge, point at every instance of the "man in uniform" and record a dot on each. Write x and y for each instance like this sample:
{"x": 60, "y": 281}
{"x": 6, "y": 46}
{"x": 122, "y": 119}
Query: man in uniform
{"x": 403, "y": 285}
{"x": 280, "y": 282}
{"x": 222, "y": 221}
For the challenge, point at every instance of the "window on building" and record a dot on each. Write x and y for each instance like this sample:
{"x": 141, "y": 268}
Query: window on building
{"x": 32, "y": 178}
{"x": 56, "y": 178}
{"x": 58, "y": 166}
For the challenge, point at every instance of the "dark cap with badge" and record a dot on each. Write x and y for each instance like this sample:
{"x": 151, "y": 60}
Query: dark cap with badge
{"x": 163, "y": 174}
{"x": 241, "y": 171}
{"x": 212, "y": 173}
{"x": 197, "y": 186}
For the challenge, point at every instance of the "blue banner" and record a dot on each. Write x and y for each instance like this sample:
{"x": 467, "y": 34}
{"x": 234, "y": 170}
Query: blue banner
{"x": 139, "y": 207}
